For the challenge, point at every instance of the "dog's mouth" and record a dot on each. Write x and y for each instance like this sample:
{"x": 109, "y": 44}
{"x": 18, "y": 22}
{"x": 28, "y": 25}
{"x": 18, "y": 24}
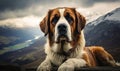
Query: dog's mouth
{"x": 62, "y": 38}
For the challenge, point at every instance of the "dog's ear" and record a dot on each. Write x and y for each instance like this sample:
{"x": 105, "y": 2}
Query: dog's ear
{"x": 44, "y": 24}
{"x": 80, "y": 21}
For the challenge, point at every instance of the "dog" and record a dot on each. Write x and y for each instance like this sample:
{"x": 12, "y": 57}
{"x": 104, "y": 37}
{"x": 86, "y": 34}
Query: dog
{"x": 65, "y": 46}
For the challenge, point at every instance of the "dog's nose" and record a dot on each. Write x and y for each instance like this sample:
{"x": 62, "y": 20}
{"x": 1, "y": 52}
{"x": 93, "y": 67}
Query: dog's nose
{"x": 62, "y": 29}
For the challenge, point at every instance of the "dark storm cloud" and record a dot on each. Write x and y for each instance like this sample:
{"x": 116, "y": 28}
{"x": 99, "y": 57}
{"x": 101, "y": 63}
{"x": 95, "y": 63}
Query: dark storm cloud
{"x": 22, "y": 13}
{"x": 106, "y": 0}
{"x": 20, "y": 4}
{"x": 13, "y": 4}
{"x": 89, "y": 3}
{"x": 20, "y": 8}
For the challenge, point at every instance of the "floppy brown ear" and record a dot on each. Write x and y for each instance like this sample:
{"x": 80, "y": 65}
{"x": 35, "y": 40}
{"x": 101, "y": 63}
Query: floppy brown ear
{"x": 44, "y": 24}
{"x": 81, "y": 21}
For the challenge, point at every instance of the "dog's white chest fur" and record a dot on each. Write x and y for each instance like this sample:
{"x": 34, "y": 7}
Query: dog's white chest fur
{"x": 58, "y": 59}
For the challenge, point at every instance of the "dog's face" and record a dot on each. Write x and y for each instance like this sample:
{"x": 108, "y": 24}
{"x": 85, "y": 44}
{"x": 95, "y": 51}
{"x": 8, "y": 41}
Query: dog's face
{"x": 63, "y": 25}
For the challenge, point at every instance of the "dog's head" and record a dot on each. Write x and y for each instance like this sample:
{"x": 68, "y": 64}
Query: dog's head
{"x": 63, "y": 25}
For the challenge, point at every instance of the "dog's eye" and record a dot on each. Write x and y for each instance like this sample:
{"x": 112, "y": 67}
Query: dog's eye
{"x": 55, "y": 19}
{"x": 69, "y": 18}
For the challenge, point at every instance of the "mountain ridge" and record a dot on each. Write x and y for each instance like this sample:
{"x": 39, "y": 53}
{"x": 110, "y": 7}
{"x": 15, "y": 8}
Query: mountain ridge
{"x": 105, "y": 31}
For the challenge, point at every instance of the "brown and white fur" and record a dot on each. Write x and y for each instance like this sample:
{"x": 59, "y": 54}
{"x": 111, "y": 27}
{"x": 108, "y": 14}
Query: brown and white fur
{"x": 67, "y": 50}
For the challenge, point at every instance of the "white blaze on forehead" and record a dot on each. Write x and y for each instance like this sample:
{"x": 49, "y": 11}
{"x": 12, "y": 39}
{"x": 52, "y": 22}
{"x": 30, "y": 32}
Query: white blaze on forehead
{"x": 62, "y": 18}
{"x": 61, "y": 12}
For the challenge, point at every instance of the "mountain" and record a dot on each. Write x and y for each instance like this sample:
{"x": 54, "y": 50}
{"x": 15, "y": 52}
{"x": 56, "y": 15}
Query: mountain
{"x": 20, "y": 45}
{"x": 105, "y": 31}
{"x": 11, "y": 36}
{"x": 25, "y": 55}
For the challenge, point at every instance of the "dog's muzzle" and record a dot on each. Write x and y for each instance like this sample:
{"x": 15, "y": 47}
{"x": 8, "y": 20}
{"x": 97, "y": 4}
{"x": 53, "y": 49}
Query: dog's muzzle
{"x": 62, "y": 33}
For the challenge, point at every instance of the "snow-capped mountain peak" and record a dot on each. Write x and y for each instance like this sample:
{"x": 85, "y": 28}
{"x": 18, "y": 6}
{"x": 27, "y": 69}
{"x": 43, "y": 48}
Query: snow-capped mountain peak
{"x": 113, "y": 15}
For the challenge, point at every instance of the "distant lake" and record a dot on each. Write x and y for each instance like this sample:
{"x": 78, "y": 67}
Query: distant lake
{"x": 18, "y": 46}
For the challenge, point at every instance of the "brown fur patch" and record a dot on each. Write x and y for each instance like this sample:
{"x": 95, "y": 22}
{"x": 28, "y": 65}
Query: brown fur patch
{"x": 102, "y": 57}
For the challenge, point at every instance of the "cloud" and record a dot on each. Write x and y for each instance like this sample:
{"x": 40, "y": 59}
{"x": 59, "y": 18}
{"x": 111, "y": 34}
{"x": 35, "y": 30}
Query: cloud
{"x": 28, "y": 13}
{"x": 14, "y": 8}
{"x": 28, "y": 21}
{"x": 90, "y": 3}
{"x": 33, "y": 10}
{"x": 22, "y": 4}
{"x": 15, "y": 4}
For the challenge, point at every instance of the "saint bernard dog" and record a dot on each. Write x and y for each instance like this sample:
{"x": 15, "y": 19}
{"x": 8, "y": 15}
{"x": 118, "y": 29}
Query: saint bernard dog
{"x": 65, "y": 46}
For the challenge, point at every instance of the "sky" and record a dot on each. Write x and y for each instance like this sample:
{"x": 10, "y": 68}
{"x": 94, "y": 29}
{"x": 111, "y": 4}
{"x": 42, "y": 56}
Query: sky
{"x": 28, "y": 13}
